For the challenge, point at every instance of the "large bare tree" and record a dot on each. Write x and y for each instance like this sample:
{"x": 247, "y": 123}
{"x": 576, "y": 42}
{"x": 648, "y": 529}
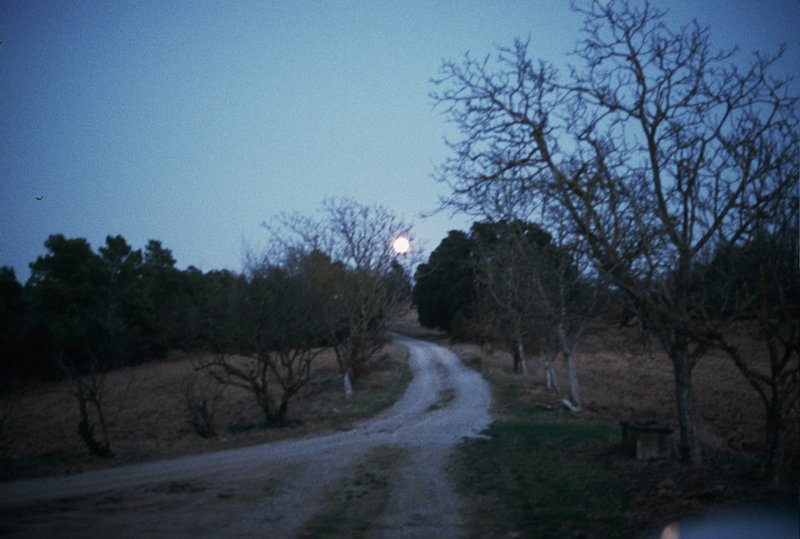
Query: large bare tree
{"x": 657, "y": 147}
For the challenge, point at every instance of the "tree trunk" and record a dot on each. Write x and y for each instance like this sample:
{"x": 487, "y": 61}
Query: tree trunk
{"x": 280, "y": 417}
{"x": 520, "y": 363}
{"x": 689, "y": 444}
{"x": 103, "y": 427}
{"x": 86, "y": 427}
{"x": 774, "y": 439}
{"x": 344, "y": 370}
{"x": 572, "y": 378}
{"x": 348, "y": 384}
{"x": 571, "y": 366}
{"x": 551, "y": 382}
{"x": 265, "y": 403}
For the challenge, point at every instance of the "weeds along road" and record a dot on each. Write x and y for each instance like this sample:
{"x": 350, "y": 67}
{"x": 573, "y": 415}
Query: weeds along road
{"x": 384, "y": 478}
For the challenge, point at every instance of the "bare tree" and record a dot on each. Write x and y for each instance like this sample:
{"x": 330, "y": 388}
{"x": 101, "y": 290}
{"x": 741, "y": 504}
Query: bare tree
{"x": 281, "y": 333}
{"x": 289, "y": 370}
{"x": 570, "y": 298}
{"x": 201, "y": 395}
{"x": 365, "y": 280}
{"x": 657, "y": 148}
{"x": 505, "y": 283}
{"x": 539, "y": 294}
{"x": 760, "y": 282}
{"x": 88, "y": 388}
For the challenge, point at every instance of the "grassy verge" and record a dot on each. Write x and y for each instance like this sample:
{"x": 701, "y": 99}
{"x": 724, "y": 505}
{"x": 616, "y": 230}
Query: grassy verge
{"x": 359, "y": 499}
{"x": 541, "y": 475}
{"x": 543, "y": 472}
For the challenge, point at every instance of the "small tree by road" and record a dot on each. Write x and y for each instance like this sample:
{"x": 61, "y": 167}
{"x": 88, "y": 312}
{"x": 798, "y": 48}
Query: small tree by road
{"x": 281, "y": 331}
{"x": 363, "y": 281}
{"x": 507, "y": 278}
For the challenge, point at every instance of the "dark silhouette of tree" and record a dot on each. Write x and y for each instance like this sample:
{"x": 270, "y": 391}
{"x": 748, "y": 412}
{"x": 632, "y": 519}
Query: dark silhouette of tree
{"x": 283, "y": 326}
{"x": 444, "y": 290}
{"x": 12, "y": 314}
{"x": 357, "y": 239}
{"x": 128, "y": 310}
{"x": 508, "y": 281}
{"x": 13, "y": 353}
{"x": 68, "y": 288}
{"x": 509, "y": 261}
{"x": 166, "y": 292}
{"x": 656, "y": 148}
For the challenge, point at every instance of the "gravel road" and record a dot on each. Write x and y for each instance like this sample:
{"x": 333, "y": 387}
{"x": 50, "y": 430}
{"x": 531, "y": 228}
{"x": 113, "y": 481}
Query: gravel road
{"x": 285, "y": 489}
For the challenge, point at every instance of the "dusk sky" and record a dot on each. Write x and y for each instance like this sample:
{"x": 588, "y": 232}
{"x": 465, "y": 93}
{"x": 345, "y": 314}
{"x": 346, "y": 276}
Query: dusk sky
{"x": 194, "y": 122}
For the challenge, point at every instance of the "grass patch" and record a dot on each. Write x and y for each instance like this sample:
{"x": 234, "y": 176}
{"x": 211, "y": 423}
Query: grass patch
{"x": 541, "y": 472}
{"x": 444, "y": 398}
{"x": 360, "y": 499}
{"x": 539, "y": 479}
{"x": 544, "y": 472}
{"x": 380, "y": 389}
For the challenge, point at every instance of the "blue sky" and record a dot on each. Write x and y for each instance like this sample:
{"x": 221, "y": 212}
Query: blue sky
{"x": 194, "y": 122}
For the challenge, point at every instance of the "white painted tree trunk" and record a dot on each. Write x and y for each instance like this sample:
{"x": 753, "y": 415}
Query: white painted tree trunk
{"x": 523, "y": 362}
{"x": 550, "y": 379}
{"x": 572, "y": 380}
{"x": 570, "y": 363}
{"x": 348, "y": 384}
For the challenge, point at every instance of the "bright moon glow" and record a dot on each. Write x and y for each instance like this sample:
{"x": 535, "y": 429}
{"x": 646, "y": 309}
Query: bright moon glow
{"x": 401, "y": 245}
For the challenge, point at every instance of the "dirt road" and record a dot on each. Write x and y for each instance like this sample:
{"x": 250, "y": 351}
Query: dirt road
{"x": 384, "y": 478}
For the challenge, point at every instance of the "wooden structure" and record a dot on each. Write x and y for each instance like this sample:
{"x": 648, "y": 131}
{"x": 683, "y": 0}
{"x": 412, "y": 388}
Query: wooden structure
{"x": 647, "y": 439}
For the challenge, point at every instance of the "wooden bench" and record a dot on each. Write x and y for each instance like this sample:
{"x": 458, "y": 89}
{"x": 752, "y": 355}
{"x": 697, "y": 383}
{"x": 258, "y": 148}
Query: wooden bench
{"x": 647, "y": 439}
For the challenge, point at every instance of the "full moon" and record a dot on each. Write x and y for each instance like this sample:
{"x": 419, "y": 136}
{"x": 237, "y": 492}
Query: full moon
{"x": 401, "y": 245}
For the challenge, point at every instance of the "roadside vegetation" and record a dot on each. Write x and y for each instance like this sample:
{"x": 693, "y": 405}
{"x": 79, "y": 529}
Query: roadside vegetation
{"x": 320, "y": 295}
{"x": 150, "y": 421}
{"x": 543, "y": 471}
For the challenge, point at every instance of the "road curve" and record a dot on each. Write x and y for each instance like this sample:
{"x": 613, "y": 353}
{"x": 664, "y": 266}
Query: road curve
{"x": 274, "y": 488}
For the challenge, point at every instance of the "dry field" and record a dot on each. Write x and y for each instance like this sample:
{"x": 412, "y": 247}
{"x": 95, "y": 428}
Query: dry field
{"x": 623, "y": 379}
{"x": 147, "y": 413}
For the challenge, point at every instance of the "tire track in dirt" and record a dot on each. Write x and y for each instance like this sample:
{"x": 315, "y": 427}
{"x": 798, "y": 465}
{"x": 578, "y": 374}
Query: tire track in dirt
{"x": 276, "y": 488}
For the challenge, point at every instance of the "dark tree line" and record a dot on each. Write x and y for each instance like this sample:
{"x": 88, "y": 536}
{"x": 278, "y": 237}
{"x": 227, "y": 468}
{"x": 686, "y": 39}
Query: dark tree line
{"x": 123, "y": 304}
{"x": 82, "y": 313}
